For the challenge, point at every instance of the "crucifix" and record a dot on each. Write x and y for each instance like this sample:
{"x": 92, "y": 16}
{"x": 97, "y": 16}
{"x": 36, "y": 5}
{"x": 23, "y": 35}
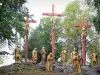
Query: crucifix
{"x": 84, "y": 28}
{"x": 53, "y": 21}
{"x": 28, "y": 21}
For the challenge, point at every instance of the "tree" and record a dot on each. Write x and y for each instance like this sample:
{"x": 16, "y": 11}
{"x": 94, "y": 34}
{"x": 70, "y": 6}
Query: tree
{"x": 12, "y": 15}
{"x": 1, "y": 60}
{"x": 96, "y": 4}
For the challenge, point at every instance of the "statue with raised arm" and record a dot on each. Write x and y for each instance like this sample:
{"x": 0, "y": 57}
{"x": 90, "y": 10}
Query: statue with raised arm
{"x": 73, "y": 56}
{"x": 76, "y": 61}
{"x": 49, "y": 62}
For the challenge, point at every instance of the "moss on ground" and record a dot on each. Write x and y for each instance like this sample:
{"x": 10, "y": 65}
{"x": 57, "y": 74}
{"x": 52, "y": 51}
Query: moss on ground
{"x": 24, "y": 69}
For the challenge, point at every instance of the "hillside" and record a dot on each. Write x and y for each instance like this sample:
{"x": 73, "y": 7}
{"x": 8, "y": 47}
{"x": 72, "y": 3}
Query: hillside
{"x": 24, "y": 69}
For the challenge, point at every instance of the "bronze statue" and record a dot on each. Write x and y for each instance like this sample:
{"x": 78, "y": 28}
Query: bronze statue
{"x": 17, "y": 55}
{"x": 34, "y": 55}
{"x": 49, "y": 62}
{"x": 63, "y": 55}
{"x": 94, "y": 59}
{"x": 73, "y": 54}
{"x": 76, "y": 61}
{"x": 43, "y": 52}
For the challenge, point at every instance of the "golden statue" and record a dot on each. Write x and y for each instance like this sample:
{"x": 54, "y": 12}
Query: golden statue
{"x": 34, "y": 55}
{"x": 73, "y": 54}
{"x": 94, "y": 59}
{"x": 43, "y": 52}
{"x": 63, "y": 55}
{"x": 27, "y": 28}
{"x": 17, "y": 55}
{"x": 76, "y": 61}
{"x": 49, "y": 62}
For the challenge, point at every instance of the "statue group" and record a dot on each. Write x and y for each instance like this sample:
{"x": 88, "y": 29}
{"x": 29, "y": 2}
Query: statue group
{"x": 76, "y": 59}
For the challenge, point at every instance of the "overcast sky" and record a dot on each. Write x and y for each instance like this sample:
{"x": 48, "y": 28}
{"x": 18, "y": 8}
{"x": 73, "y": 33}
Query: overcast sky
{"x": 37, "y": 7}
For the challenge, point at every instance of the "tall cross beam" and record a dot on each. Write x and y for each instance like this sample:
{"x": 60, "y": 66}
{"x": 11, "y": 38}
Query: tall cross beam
{"x": 28, "y": 21}
{"x": 84, "y": 28}
{"x": 53, "y": 34}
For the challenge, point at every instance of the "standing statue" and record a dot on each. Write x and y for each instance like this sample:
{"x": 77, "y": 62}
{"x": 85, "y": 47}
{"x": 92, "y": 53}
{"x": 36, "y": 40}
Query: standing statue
{"x": 17, "y": 55}
{"x": 73, "y": 54}
{"x": 49, "y": 62}
{"x": 94, "y": 59}
{"x": 76, "y": 61}
{"x": 63, "y": 55}
{"x": 43, "y": 52}
{"x": 34, "y": 55}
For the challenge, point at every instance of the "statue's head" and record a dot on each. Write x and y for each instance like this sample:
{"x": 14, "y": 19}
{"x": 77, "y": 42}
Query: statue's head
{"x": 43, "y": 48}
{"x": 50, "y": 54}
{"x": 94, "y": 51}
{"x": 16, "y": 46}
{"x": 74, "y": 53}
{"x": 35, "y": 49}
{"x": 94, "y": 55}
{"x": 64, "y": 49}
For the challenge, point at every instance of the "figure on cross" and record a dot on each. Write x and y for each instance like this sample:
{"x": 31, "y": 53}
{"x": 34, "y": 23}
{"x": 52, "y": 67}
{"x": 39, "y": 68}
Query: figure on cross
{"x": 53, "y": 21}
{"x": 28, "y": 21}
{"x": 84, "y": 28}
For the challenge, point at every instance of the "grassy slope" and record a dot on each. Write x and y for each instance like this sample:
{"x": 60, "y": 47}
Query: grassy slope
{"x": 24, "y": 69}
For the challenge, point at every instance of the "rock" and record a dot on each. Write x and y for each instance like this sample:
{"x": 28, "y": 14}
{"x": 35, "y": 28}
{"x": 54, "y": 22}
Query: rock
{"x": 42, "y": 66}
{"x": 69, "y": 69}
{"x": 58, "y": 67}
{"x": 87, "y": 70}
{"x": 85, "y": 67}
{"x": 66, "y": 69}
{"x": 97, "y": 69}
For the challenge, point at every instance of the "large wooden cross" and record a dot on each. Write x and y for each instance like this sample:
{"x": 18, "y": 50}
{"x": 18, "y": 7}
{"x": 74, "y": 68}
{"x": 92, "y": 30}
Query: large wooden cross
{"x": 28, "y": 21}
{"x": 53, "y": 35}
{"x": 84, "y": 28}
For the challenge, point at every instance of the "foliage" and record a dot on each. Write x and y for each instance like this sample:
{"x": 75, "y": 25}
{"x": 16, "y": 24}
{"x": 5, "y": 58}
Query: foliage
{"x": 96, "y": 21}
{"x": 12, "y": 15}
{"x": 1, "y": 60}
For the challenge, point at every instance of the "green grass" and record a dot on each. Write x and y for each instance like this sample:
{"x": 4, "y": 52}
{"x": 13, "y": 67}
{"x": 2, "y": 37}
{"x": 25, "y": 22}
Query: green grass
{"x": 24, "y": 69}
